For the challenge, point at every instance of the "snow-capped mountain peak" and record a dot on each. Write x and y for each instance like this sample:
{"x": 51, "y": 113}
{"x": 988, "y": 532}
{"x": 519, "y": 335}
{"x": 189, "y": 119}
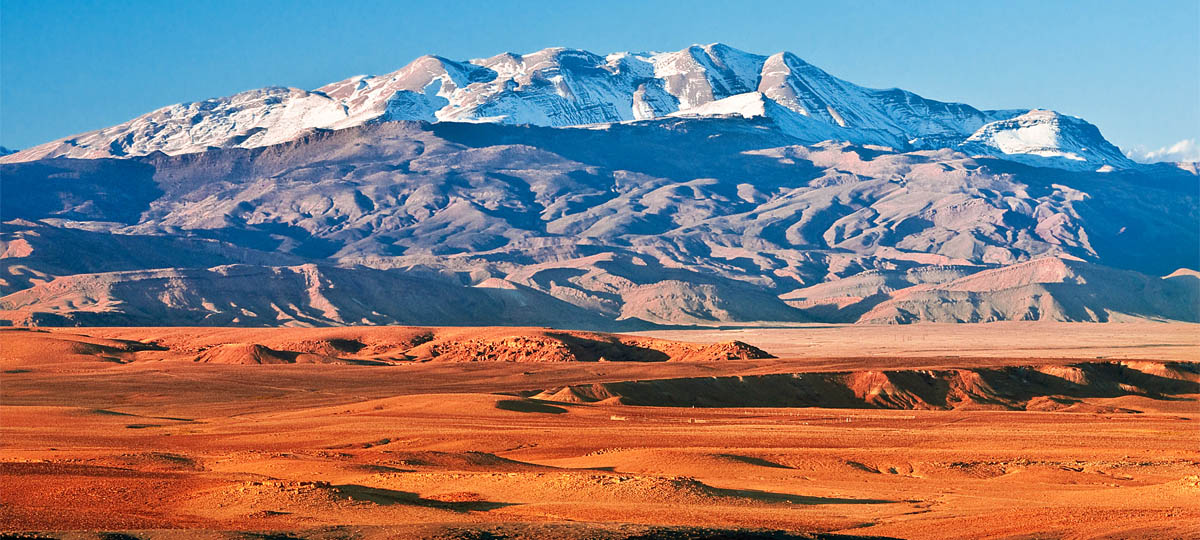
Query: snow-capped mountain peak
{"x": 1043, "y": 137}
{"x": 562, "y": 87}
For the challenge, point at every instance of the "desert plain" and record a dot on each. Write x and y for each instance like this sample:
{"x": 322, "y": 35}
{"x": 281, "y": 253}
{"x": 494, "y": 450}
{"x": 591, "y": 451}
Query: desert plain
{"x": 1007, "y": 430}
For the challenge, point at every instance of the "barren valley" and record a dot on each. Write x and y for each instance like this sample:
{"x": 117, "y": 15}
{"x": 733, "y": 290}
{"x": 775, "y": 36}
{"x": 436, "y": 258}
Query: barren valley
{"x": 1022, "y": 430}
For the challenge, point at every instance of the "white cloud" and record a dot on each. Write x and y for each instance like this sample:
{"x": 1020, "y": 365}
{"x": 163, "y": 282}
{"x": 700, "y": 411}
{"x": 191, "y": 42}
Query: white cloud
{"x": 1185, "y": 150}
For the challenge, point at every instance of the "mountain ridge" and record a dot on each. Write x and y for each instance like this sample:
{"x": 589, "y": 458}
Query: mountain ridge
{"x": 561, "y": 87}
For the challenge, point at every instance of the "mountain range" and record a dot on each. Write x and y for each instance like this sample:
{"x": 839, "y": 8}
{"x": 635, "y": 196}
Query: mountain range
{"x": 560, "y": 87}
{"x": 562, "y": 187}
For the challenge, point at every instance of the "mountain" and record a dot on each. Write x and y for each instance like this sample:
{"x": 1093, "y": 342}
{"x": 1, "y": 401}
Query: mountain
{"x": 560, "y": 87}
{"x": 306, "y": 295}
{"x": 1050, "y": 289}
{"x": 1046, "y": 138}
{"x": 710, "y": 219}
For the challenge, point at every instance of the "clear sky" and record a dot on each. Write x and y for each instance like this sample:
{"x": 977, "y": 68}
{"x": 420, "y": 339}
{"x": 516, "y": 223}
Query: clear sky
{"x": 1132, "y": 68}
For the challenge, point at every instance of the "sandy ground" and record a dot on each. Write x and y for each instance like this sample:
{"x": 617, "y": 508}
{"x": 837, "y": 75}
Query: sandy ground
{"x": 163, "y": 447}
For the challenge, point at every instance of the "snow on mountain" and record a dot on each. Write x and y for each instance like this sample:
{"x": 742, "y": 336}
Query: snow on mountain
{"x": 1041, "y": 137}
{"x": 803, "y": 128}
{"x": 560, "y": 87}
{"x": 747, "y": 105}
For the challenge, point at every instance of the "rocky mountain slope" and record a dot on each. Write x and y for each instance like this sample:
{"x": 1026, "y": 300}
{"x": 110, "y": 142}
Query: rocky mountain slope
{"x": 677, "y": 220}
{"x": 560, "y": 87}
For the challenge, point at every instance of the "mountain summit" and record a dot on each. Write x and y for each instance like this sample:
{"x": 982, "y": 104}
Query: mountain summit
{"x": 559, "y": 87}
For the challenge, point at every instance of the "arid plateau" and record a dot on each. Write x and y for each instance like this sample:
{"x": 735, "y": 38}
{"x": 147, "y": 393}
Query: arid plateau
{"x": 1006, "y": 430}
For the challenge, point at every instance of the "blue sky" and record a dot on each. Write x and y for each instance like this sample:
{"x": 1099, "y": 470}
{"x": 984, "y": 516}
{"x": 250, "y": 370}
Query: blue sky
{"x": 1132, "y": 68}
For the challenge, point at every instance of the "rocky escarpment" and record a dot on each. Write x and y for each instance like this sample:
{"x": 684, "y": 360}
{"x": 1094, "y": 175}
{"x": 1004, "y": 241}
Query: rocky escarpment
{"x": 363, "y": 346}
{"x": 1075, "y": 387}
